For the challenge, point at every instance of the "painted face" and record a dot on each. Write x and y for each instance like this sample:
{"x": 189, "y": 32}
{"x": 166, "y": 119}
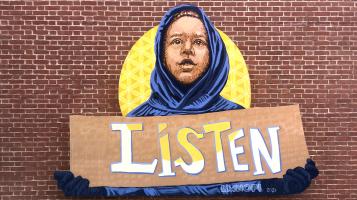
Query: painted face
{"x": 186, "y": 52}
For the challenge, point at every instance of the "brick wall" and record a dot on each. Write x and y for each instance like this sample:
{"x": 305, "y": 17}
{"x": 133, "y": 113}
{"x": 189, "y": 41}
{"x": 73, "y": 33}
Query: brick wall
{"x": 61, "y": 58}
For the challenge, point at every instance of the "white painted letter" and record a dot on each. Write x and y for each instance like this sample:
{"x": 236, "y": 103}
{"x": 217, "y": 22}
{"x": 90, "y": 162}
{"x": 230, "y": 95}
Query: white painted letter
{"x": 126, "y": 164}
{"x": 258, "y": 147}
{"x": 217, "y": 128}
{"x": 235, "y": 151}
{"x": 198, "y": 161}
{"x": 165, "y": 153}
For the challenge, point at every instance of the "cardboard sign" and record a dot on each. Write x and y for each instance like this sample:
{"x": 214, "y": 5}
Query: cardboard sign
{"x": 229, "y": 146}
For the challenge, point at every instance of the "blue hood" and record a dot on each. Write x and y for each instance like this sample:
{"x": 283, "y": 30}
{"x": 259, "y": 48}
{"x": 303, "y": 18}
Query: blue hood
{"x": 168, "y": 96}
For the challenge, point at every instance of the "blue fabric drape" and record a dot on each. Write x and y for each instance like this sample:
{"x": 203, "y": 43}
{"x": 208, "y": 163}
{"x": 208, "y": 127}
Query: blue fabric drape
{"x": 293, "y": 182}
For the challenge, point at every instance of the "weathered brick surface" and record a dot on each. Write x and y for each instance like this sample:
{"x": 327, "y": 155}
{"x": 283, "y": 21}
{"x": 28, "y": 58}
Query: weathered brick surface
{"x": 60, "y": 58}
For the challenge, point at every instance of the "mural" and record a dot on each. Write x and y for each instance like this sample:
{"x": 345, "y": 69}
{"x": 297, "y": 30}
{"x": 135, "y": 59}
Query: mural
{"x": 195, "y": 69}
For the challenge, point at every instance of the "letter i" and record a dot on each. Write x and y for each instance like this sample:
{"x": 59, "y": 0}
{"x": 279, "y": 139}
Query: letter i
{"x": 165, "y": 153}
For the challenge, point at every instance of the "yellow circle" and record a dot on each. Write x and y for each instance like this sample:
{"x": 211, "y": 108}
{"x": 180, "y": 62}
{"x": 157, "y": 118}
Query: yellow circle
{"x": 134, "y": 82}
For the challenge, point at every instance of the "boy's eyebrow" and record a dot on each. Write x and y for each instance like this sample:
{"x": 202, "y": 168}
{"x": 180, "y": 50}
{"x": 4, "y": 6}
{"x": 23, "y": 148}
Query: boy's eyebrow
{"x": 196, "y": 35}
{"x": 176, "y": 35}
{"x": 200, "y": 35}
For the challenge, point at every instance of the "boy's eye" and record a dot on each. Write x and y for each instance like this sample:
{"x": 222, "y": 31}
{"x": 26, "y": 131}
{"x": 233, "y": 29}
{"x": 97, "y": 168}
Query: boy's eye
{"x": 176, "y": 41}
{"x": 199, "y": 42}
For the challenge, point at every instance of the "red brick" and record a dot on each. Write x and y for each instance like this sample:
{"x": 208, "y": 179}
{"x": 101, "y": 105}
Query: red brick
{"x": 297, "y": 52}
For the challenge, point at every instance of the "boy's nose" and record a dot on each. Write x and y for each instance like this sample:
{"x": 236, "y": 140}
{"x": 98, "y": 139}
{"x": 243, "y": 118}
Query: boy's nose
{"x": 187, "y": 48}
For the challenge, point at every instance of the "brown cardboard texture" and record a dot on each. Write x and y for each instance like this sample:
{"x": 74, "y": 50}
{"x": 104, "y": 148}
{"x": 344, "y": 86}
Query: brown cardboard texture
{"x": 95, "y": 146}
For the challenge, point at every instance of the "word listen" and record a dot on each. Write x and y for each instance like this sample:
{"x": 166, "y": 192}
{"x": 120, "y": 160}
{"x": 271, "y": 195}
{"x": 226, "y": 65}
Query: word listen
{"x": 257, "y": 144}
